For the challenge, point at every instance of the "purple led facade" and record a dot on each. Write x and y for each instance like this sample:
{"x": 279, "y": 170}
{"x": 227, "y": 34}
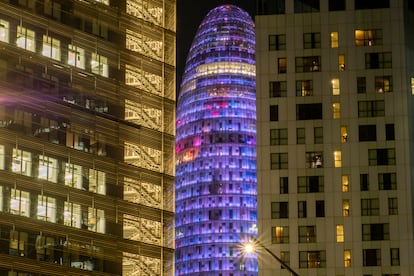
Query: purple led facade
{"x": 216, "y": 204}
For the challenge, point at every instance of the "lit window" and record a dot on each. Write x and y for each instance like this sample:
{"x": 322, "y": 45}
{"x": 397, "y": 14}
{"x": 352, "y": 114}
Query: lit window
{"x": 99, "y": 65}
{"x": 96, "y": 220}
{"x": 312, "y": 259}
{"x": 412, "y": 86}
{"x": 304, "y": 88}
{"x": 368, "y": 37}
{"x": 282, "y": 65}
{"x": 308, "y": 64}
{"x": 22, "y": 162}
{"x": 73, "y": 176}
{"x": 20, "y": 203}
{"x": 314, "y": 159}
{"x": 341, "y": 62}
{"x": 337, "y": 159}
{"x": 51, "y": 47}
{"x": 106, "y": 2}
{"x": 48, "y": 169}
{"x": 76, "y": 56}
{"x": 345, "y": 208}
{"x": 336, "y": 108}
{"x": 2, "y": 157}
{"x": 334, "y": 40}
{"x": 26, "y": 39}
{"x": 280, "y": 234}
{"x": 97, "y": 182}
{"x": 46, "y": 208}
{"x": 335, "y": 87}
{"x": 4, "y": 31}
{"x": 347, "y": 258}
{"x": 340, "y": 233}
{"x": 344, "y": 134}
{"x": 72, "y": 214}
{"x": 345, "y": 183}
{"x": 383, "y": 84}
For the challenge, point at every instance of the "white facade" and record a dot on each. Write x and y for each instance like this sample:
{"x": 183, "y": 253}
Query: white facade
{"x": 334, "y": 102}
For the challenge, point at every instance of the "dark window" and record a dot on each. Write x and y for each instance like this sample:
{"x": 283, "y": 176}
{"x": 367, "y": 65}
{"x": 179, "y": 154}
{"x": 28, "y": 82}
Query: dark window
{"x": 284, "y": 185}
{"x": 318, "y": 135}
{"x": 387, "y": 181}
{"x": 371, "y": 108}
{"x": 378, "y": 60}
{"x": 302, "y": 209}
{"x": 282, "y": 65}
{"x": 278, "y": 136}
{"x": 310, "y": 184}
{"x": 311, "y": 40}
{"x": 300, "y": 136}
{"x": 304, "y": 88}
{"x": 371, "y": 4}
{"x": 369, "y": 207}
{"x": 320, "y": 208}
{"x": 395, "y": 257}
{"x": 364, "y": 182}
{"x": 280, "y": 210}
{"x": 308, "y": 64}
{"x": 309, "y": 111}
{"x": 307, "y": 234}
{"x": 367, "y": 133}
{"x": 375, "y": 232}
{"x": 304, "y": 6}
{"x": 389, "y": 132}
{"x": 52, "y": 9}
{"x": 278, "y": 161}
{"x": 277, "y": 89}
{"x": 337, "y": 5}
{"x": 379, "y": 157}
{"x": 361, "y": 85}
{"x": 277, "y": 42}
{"x": 372, "y": 257}
{"x": 270, "y": 7}
{"x": 274, "y": 113}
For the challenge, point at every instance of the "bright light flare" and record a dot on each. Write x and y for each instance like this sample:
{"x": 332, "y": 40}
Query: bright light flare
{"x": 249, "y": 247}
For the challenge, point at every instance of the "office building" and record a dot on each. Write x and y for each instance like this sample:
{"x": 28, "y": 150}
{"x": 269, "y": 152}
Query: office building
{"x": 87, "y": 137}
{"x": 215, "y": 148}
{"x": 335, "y": 101}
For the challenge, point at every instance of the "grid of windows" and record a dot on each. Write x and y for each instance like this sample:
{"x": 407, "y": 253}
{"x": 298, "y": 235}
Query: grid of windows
{"x": 279, "y": 136}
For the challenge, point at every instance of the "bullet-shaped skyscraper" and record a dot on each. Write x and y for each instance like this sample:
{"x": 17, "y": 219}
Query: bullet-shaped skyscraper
{"x": 215, "y": 147}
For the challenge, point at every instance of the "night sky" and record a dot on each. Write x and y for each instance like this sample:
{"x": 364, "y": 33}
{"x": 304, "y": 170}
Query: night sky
{"x": 190, "y": 13}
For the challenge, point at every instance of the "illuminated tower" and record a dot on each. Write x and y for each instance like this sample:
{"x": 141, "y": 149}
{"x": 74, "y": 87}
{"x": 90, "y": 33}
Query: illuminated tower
{"x": 215, "y": 147}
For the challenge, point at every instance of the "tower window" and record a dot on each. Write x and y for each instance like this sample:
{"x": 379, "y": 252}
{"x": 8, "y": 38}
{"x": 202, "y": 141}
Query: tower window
{"x": 277, "y": 42}
{"x": 311, "y": 40}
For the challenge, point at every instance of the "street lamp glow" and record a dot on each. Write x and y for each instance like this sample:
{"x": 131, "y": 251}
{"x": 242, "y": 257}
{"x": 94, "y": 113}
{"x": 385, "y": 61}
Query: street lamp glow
{"x": 249, "y": 248}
